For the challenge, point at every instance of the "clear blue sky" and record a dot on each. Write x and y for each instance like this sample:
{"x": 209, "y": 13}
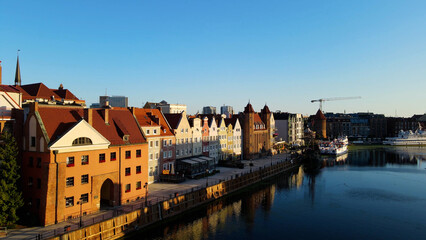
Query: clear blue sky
{"x": 201, "y": 53}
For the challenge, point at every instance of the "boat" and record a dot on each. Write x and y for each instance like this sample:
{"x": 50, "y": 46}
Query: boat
{"x": 408, "y": 138}
{"x": 336, "y": 147}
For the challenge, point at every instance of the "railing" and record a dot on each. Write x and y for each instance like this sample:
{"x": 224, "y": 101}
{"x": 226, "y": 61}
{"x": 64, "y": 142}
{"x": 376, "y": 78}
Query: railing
{"x": 247, "y": 178}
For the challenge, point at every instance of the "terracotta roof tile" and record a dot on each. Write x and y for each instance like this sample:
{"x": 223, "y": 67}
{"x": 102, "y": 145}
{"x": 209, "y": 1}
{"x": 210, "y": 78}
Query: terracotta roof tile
{"x": 173, "y": 119}
{"x": 150, "y": 117}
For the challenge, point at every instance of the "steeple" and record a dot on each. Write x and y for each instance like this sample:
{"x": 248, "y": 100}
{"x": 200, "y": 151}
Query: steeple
{"x": 18, "y": 72}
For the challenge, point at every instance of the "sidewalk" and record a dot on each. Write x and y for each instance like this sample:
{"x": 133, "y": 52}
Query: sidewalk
{"x": 156, "y": 192}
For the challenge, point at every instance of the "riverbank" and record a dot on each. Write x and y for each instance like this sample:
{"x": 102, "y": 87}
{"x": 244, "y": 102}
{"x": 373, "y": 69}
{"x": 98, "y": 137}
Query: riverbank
{"x": 158, "y": 194}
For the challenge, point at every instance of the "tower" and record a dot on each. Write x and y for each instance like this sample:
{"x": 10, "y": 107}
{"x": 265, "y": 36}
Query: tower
{"x": 17, "y": 73}
{"x": 266, "y": 118}
{"x": 320, "y": 124}
{"x": 248, "y": 131}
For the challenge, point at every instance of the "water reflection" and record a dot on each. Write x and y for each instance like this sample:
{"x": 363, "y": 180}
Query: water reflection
{"x": 377, "y": 156}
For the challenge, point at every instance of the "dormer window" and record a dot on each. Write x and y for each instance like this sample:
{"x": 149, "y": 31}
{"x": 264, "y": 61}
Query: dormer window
{"x": 147, "y": 132}
{"x": 164, "y": 130}
{"x": 155, "y": 131}
{"x": 126, "y": 138}
{"x": 82, "y": 141}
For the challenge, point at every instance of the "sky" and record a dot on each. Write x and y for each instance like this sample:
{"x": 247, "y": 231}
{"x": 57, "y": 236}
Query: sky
{"x": 214, "y": 53}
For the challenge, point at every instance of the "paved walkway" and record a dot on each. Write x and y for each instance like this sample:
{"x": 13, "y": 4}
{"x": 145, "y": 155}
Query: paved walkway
{"x": 156, "y": 192}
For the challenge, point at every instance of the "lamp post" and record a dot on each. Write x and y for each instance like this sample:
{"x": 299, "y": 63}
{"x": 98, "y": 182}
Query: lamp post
{"x": 146, "y": 193}
{"x": 81, "y": 211}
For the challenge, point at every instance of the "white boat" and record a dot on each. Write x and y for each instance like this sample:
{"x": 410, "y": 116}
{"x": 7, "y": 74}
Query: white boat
{"x": 336, "y": 147}
{"x": 408, "y": 138}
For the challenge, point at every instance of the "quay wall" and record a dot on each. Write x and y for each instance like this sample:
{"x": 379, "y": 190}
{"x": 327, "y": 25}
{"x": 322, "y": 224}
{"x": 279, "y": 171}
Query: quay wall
{"x": 118, "y": 226}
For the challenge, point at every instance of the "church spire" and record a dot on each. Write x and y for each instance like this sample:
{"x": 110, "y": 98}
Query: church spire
{"x": 18, "y": 72}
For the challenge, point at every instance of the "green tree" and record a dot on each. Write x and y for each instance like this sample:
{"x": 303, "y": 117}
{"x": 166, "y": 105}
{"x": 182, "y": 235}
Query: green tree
{"x": 10, "y": 196}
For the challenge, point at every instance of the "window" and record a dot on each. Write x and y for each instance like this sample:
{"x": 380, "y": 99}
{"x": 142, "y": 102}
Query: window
{"x": 155, "y": 131}
{"x": 181, "y": 130}
{"x": 170, "y": 154}
{"x": 127, "y": 187}
{"x": 113, "y": 156}
{"x": 165, "y": 131}
{"x": 156, "y": 156}
{"x": 81, "y": 141}
{"x": 138, "y": 169}
{"x": 128, "y": 171}
{"x": 151, "y": 156}
{"x": 150, "y": 144}
{"x": 157, "y": 143}
{"x": 33, "y": 143}
{"x": 38, "y": 183}
{"x": 70, "y": 181}
{"x": 186, "y": 130}
{"x": 165, "y": 154}
{"x": 147, "y": 132}
{"x": 138, "y": 185}
{"x": 31, "y": 162}
{"x": 39, "y": 162}
{"x": 177, "y": 152}
{"x": 84, "y": 159}
{"x": 102, "y": 157}
{"x": 170, "y": 142}
{"x": 69, "y": 201}
{"x": 84, "y": 198}
{"x": 30, "y": 181}
{"x": 150, "y": 171}
{"x": 164, "y": 143}
{"x": 84, "y": 178}
{"x": 128, "y": 154}
{"x": 186, "y": 140}
{"x": 138, "y": 153}
{"x": 70, "y": 161}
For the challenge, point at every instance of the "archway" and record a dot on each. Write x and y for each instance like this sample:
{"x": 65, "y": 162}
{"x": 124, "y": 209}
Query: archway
{"x": 107, "y": 194}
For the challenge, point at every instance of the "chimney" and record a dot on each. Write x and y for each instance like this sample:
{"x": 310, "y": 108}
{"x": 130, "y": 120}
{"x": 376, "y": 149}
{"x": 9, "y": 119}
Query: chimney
{"x": 0, "y": 72}
{"x": 106, "y": 116}
{"x": 88, "y": 115}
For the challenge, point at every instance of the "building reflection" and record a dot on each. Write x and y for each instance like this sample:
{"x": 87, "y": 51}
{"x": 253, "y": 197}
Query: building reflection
{"x": 387, "y": 155}
{"x": 222, "y": 212}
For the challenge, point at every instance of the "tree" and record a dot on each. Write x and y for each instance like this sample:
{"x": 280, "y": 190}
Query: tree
{"x": 10, "y": 196}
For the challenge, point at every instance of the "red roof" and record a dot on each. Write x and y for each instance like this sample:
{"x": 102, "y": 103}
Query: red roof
{"x": 265, "y": 109}
{"x": 58, "y": 120}
{"x": 150, "y": 117}
{"x": 39, "y": 90}
{"x": 319, "y": 115}
{"x": 8, "y": 88}
{"x": 173, "y": 119}
{"x": 249, "y": 108}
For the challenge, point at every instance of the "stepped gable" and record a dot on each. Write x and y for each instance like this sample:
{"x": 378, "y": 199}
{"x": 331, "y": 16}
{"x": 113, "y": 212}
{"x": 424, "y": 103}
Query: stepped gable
{"x": 152, "y": 117}
{"x": 319, "y": 115}
{"x": 210, "y": 118}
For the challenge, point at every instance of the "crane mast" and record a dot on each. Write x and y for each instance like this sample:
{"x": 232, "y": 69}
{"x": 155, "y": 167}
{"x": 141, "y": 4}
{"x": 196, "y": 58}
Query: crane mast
{"x": 321, "y": 100}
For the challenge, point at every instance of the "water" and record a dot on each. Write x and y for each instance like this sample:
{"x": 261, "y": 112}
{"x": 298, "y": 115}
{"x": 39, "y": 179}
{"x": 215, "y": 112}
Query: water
{"x": 369, "y": 193}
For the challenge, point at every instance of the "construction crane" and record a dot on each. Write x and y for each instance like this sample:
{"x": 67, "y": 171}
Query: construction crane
{"x": 333, "y": 99}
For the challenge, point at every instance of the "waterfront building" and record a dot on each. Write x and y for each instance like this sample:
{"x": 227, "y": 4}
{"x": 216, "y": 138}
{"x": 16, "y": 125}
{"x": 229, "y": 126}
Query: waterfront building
{"x": 209, "y": 110}
{"x": 161, "y": 142}
{"x": 222, "y": 138}
{"x": 72, "y": 156}
{"x": 290, "y": 127}
{"x": 227, "y": 110}
{"x": 319, "y": 124}
{"x": 234, "y": 134}
{"x": 205, "y": 135}
{"x": 166, "y": 107}
{"x": 213, "y": 146}
{"x": 180, "y": 125}
{"x": 196, "y": 130}
{"x": 113, "y": 101}
{"x": 256, "y": 132}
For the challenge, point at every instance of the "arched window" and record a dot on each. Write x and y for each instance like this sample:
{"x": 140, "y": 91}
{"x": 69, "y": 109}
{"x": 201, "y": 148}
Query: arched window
{"x": 82, "y": 141}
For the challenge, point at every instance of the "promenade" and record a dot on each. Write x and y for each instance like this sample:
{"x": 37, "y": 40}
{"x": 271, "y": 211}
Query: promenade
{"x": 156, "y": 192}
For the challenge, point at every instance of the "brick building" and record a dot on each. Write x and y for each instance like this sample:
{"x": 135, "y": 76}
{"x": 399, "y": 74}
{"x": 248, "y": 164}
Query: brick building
{"x": 72, "y": 155}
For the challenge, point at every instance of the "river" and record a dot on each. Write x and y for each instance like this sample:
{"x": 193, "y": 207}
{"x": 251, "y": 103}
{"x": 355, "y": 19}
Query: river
{"x": 372, "y": 192}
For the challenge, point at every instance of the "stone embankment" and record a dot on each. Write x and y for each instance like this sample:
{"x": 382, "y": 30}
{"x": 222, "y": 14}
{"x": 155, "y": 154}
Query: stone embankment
{"x": 118, "y": 226}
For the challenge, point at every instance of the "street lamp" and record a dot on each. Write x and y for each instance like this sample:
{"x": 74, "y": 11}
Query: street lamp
{"x": 146, "y": 193}
{"x": 81, "y": 211}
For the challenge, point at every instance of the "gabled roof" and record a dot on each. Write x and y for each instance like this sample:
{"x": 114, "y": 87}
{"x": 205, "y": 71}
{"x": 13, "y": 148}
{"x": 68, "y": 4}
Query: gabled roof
{"x": 265, "y": 109}
{"x": 9, "y": 88}
{"x": 258, "y": 120}
{"x": 173, "y": 119}
{"x": 39, "y": 90}
{"x": 319, "y": 115}
{"x": 58, "y": 120}
{"x": 152, "y": 117}
{"x": 249, "y": 108}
